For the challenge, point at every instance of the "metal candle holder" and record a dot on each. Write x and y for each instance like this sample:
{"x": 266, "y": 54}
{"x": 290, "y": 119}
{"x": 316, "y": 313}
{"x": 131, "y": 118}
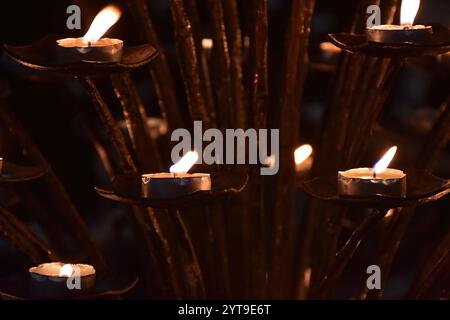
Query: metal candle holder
{"x": 14, "y": 173}
{"x": 422, "y": 187}
{"x": 97, "y": 53}
{"x": 42, "y": 55}
{"x": 406, "y": 35}
{"x": 107, "y": 286}
{"x": 358, "y": 43}
{"x": 127, "y": 189}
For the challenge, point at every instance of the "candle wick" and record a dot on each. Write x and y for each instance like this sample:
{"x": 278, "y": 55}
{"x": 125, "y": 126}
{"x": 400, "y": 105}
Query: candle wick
{"x": 374, "y": 174}
{"x": 89, "y": 43}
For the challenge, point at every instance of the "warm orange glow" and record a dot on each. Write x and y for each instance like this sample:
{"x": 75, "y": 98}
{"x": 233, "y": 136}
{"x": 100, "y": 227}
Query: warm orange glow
{"x": 66, "y": 270}
{"x": 307, "y": 277}
{"x": 185, "y": 163}
{"x": 302, "y": 153}
{"x": 104, "y": 20}
{"x": 329, "y": 47}
{"x": 389, "y": 214}
{"x": 409, "y": 11}
{"x": 270, "y": 161}
{"x": 207, "y": 43}
{"x": 383, "y": 164}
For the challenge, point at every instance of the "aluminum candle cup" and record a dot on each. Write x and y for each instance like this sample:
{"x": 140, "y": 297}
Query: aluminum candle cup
{"x": 105, "y": 50}
{"x": 394, "y": 34}
{"x": 59, "y": 280}
{"x": 361, "y": 182}
{"x": 171, "y": 185}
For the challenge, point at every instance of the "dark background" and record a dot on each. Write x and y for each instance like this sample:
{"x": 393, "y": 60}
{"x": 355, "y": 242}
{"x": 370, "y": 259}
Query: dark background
{"x": 47, "y": 109}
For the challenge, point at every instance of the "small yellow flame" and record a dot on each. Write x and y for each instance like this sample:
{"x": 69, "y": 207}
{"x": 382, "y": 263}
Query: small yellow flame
{"x": 66, "y": 270}
{"x": 409, "y": 11}
{"x": 382, "y": 165}
{"x": 186, "y": 163}
{"x": 302, "y": 153}
{"x": 104, "y": 20}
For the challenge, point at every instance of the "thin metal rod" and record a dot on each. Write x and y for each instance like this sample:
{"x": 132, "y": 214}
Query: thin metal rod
{"x": 345, "y": 254}
{"x": 143, "y": 145}
{"x": 110, "y": 124}
{"x": 23, "y": 238}
{"x": 60, "y": 196}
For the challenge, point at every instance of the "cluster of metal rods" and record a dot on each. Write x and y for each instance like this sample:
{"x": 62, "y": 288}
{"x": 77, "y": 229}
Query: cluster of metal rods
{"x": 243, "y": 248}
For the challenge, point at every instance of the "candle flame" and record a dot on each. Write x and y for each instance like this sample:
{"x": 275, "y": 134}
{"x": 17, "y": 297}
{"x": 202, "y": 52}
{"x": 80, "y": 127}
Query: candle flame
{"x": 207, "y": 43}
{"x": 409, "y": 11}
{"x": 389, "y": 214}
{"x": 382, "y": 165}
{"x": 186, "y": 163}
{"x": 302, "y": 153}
{"x": 104, "y": 20}
{"x": 66, "y": 270}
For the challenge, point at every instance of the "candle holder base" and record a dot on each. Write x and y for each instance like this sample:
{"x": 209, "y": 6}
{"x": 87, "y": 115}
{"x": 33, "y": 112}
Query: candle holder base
{"x": 14, "y": 173}
{"x": 439, "y": 43}
{"x": 421, "y": 188}
{"x": 107, "y": 286}
{"x": 127, "y": 189}
{"x": 421, "y": 36}
{"x": 43, "y": 56}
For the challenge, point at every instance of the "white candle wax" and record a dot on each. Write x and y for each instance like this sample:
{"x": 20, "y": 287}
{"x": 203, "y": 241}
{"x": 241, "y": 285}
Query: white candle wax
{"x": 78, "y": 49}
{"x": 400, "y": 27}
{"x": 364, "y": 182}
{"x": 391, "y": 34}
{"x": 170, "y": 185}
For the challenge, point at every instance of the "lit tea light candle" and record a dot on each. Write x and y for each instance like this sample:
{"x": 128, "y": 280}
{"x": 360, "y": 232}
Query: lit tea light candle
{"x": 57, "y": 279}
{"x": 303, "y": 159}
{"x": 178, "y": 182}
{"x": 92, "y": 47}
{"x": 1, "y": 166}
{"x": 406, "y": 31}
{"x": 379, "y": 180}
